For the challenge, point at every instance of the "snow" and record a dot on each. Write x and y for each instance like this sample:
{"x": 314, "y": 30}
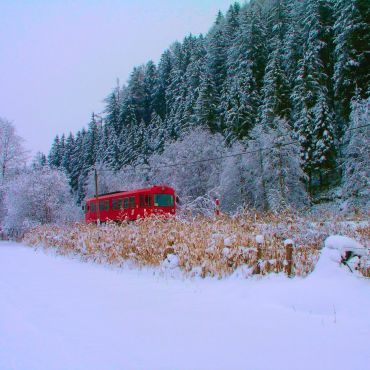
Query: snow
{"x": 171, "y": 262}
{"x": 259, "y": 239}
{"x": 228, "y": 242}
{"x": 344, "y": 243}
{"x": 288, "y": 242}
{"x": 60, "y": 313}
{"x": 226, "y": 252}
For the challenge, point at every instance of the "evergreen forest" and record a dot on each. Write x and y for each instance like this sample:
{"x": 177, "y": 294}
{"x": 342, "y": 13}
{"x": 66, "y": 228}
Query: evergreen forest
{"x": 289, "y": 75}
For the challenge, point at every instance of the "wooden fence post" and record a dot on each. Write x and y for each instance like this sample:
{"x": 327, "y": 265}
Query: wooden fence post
{"x": 289, "y": 257}
{"x": 259, "y": 240}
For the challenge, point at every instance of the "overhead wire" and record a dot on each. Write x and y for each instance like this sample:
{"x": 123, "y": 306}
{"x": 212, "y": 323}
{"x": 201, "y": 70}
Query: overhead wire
{"x": 192, "y": 163}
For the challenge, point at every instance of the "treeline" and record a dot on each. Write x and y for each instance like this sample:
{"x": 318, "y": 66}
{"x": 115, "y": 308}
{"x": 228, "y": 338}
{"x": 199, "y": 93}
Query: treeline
{"x": 299, "y": 64}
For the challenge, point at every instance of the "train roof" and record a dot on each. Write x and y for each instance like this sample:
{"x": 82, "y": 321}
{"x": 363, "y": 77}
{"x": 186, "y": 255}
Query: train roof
{"x": 128, "y": 192}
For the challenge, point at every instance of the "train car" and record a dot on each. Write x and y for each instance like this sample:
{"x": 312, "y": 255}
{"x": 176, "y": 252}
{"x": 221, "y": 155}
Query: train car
{"x": 131, "y": 205}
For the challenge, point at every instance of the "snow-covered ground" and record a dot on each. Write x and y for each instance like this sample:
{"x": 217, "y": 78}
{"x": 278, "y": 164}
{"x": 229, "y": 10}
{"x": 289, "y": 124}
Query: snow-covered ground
{"x": 58, "y": 313}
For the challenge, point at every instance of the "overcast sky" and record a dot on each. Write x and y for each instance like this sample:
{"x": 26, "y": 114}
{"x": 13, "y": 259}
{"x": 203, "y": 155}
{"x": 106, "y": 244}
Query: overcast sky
{"x": 60, "y": 58}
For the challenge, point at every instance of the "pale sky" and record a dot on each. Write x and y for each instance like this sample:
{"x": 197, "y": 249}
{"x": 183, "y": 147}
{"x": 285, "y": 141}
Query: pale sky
{"x": 60, "y": 58}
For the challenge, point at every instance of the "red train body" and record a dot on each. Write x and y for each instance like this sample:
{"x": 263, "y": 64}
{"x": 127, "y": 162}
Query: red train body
{"x": 131, "y": 205}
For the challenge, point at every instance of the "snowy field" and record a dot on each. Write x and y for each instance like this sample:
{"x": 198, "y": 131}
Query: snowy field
{"x": 59, "y": 313}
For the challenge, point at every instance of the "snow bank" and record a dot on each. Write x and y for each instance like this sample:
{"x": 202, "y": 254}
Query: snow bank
{"x": 343, "y": 244}
{"x": 335, "y": 246}
{"x": 57, "y": 313}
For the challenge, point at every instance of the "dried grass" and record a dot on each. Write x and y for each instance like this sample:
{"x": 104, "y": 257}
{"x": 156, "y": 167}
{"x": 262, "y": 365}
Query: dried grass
{"x": 203, "y": 246}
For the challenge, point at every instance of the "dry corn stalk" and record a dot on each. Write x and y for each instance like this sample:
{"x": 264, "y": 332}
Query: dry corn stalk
{"x": 204, "y": 246}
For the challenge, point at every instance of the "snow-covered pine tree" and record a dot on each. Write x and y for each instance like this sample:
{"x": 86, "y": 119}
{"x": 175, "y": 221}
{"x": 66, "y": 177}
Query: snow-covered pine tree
{"x": 206, "y": 105}
{"x": 150, "y": 88}
{"x": 155, "y": 135}
{"x": 67, "y": 161}
{"x": 294, "y": 39}
{"x": 39, "y": 161}
{"x": 112, "y": 108}
{"x": 275, "y": 91}
{"x": 55, "y": 156}
{"x": 356, "y": 174}
{"x": 136, "y": 92}
{"x": 313, "y": 116}
{"x": 217, "y": 54}
{"x": 246, "y": 61}
{"x": 125, "y": 143}
{"x": 164, "y": 73}
{"x": 78, "y": 173}
{"x": 274, "y": 177}
{"x": 111, "y": 152}
{"x": 324, "y": 151}
{"x": 91, "y": 142}
{"x": 352, "y": 56}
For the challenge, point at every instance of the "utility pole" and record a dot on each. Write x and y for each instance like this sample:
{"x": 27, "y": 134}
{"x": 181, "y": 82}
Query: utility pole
{"x": 97, "y": 197}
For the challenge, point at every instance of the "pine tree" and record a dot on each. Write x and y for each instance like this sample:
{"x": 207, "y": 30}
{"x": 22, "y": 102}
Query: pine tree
{"x": 206, "y": 106}
{"x": 55, "y": 155}
{"x": 352, "y": 57}
{"x": 324, "y": 149}
{"x": 150, "y": 88}
{"x": 314, "y": 119}
{"x": 39, "y": 161}
{"x": 164, "y": 73}
{"x": 217, "y": 54}
{"x": 276, "y": 100}
{"x": 91, "y": 142}
{"x": 246, "y": 60}
{"x": 112, "y": 109}
{"x": 78, "y": 171}
{"x": 356, "y": 183}
{"x": 67, "y": 162}
{"x": 274, "y": 178}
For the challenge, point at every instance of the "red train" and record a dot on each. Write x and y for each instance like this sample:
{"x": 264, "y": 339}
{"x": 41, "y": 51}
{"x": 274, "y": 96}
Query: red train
{"x": 131, "y": 205}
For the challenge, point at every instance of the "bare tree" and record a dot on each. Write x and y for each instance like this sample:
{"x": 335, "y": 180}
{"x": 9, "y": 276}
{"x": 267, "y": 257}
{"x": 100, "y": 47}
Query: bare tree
{"x": 12, "y": 153}
{"x": 38, "y": 196}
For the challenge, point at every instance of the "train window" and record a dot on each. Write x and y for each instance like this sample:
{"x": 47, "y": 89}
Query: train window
{"x": 93, "y": 207}
{"x": 147, "y": 200}
{"x": 132, "y": 202}
{"x": 104, "y": 205}
{"x": 163, "y": 200}
{"x": 125, "y": 203}
{"x": 117, "y": 203}
{"x": 141, "y": 201}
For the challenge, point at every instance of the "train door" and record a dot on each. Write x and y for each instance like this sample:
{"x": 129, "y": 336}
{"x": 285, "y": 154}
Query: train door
{"x": 133, "y": 207}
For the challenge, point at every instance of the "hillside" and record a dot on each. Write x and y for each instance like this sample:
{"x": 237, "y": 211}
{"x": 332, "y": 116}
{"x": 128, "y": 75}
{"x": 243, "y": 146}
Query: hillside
{"x": 278, "y": 73}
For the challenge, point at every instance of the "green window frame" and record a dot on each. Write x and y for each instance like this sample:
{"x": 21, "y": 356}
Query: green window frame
{"x": 125, "y": 203}
{"x": 117, "y": 204}
{"x": 104, "y": 205}
{"x": 93, "y": 207}
{"x": 145, "y": 200}
{"x": 132, "y": 202}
